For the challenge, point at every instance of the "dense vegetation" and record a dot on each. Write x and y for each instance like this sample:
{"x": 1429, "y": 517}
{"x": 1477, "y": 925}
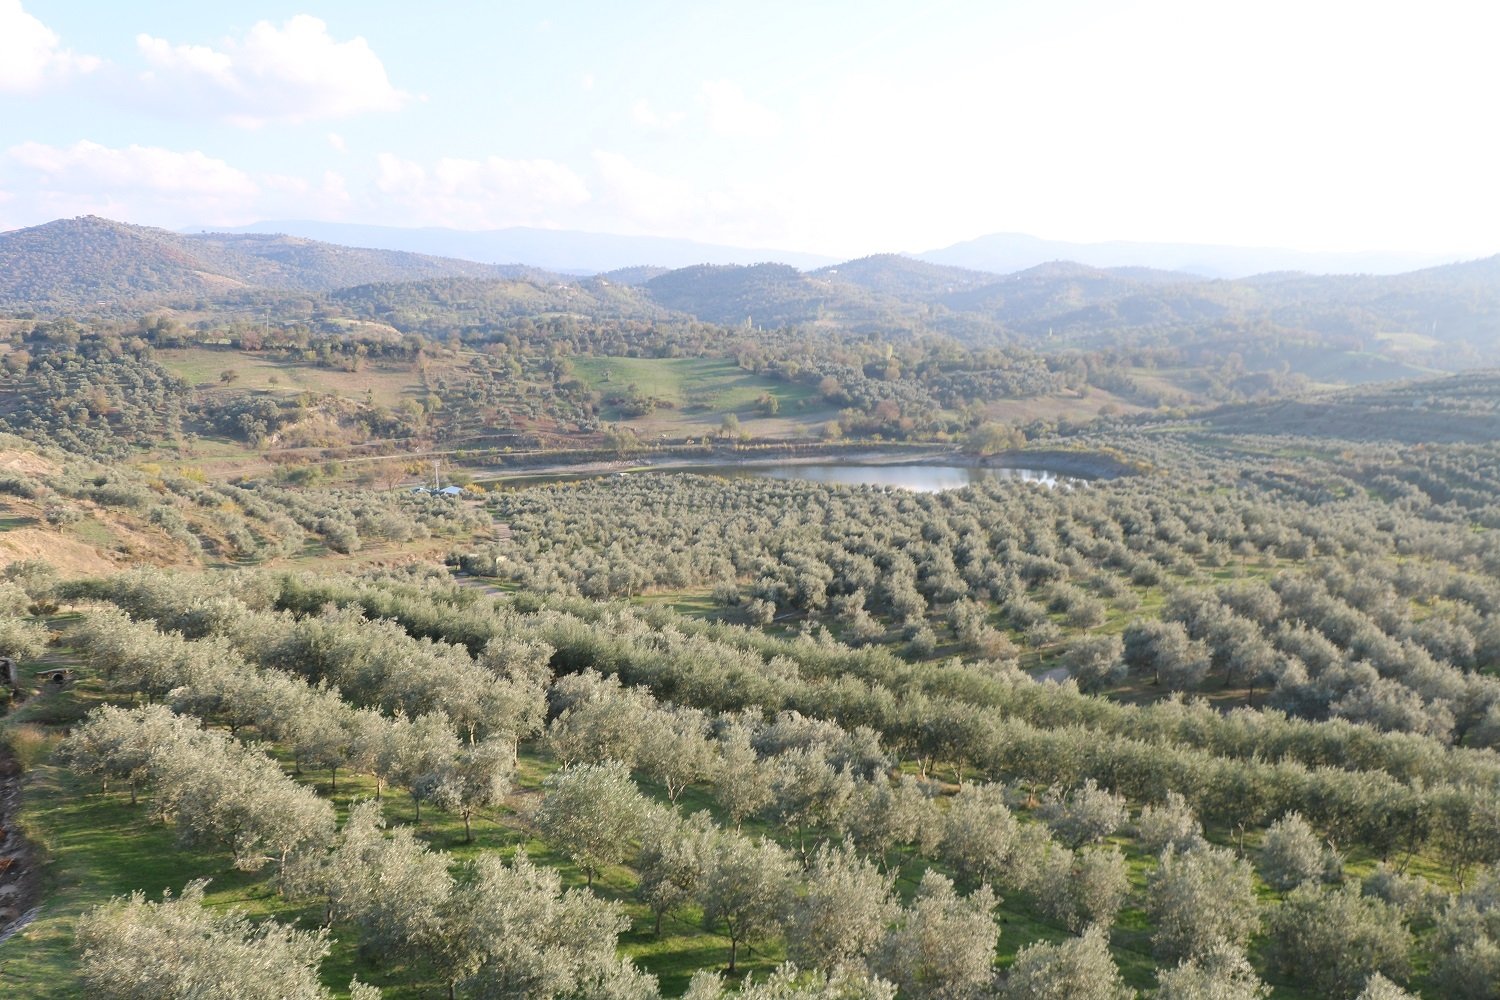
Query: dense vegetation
{"x": 1351, "y": 328}
{"x": 1222, "y": 721}
{"x": 848, "y": 759}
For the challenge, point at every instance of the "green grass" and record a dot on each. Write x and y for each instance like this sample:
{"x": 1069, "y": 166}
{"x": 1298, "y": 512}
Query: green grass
{"x": 1408, "y": 341}
{"x": 202, "y": 366}
{"x": 93, "y": 532}
{"x": 701, "y": 391}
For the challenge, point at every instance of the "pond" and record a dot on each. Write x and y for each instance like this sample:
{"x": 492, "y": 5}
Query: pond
{"x": 921, "y": 477}
{"x": 924, "y": 478}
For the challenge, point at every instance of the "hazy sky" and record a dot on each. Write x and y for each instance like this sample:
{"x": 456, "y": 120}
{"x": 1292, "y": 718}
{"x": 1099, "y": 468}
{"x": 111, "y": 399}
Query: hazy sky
{"x": 842, "y": 128}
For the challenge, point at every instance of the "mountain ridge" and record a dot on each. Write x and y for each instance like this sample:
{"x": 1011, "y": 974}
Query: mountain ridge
{"x": 562, "y": 250}
{"x": 87, "y": 261}
{"x": 1444, "y": 313}
{"x": 1004, "y": 253}
{"x": 582, "y": 252}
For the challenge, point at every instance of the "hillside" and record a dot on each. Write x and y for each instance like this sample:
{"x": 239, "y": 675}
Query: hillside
{"x": 904, "y": 277}
{"x": 1006, "y": 252}
{"x": 568, "y": 251}
{"x": 83, "y": 517}
{"x": 1459, "y": 409}
{"x": 1338, "y": 328}
{"x": 89, "y": 262}
{"x": 767, "y": 296}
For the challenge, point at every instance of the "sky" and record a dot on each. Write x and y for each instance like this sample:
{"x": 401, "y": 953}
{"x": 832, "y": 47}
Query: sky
{"x": 841, "y": 128}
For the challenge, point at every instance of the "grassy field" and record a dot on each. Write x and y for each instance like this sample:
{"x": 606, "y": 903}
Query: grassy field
{"x": 700, "y": 392}
{"x": 1080, "y": 407}
{"x": 1401, "y": 342}
{"x": 386, "y": 383}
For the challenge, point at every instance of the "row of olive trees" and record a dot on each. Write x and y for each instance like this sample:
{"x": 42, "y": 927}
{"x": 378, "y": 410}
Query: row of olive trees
{"x": 457, "y": 615}
{"x": 422, "y": 754}
{"x": 803, "y": 765}
{"x": 1199, "y": 898}
{"x": 978, "y": 834}
{"x": 1369, "y": 796}
{"x": 212, "y": 788}
{"x": 179, "y": 949}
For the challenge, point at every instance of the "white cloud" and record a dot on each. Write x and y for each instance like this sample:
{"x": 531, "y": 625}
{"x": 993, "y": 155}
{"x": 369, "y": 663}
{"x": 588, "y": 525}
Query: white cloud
{"x": 586, "y": 82}
{"x": 480, "y": 193}
{"x": 635, "y": 198}
{"x": 134, "y": 168}
{"x": 337, "y": 142}
{"x": 293, "y": 73}
{"x": 30, "y": 52}
{"x": 161, "y": 187}
{"x": 733, "y": 115}
{"x": 644, "y": 197}
{"x": 335, "y": 189}
{"x": 643, "y": 114}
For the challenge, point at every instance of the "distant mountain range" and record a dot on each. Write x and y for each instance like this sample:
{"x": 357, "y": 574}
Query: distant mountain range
{"x": 1443, "y": 317}
{"x": 565, "y": 251}
{"x": 1003, "y": 253}
{"x": 571, "y": 252}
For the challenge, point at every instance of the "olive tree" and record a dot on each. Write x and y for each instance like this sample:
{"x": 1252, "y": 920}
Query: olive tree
{"x": 842, "y": 916}
{"x": 745, "y": 889}
{"x": 1171, "y": 824}
{"x": 943, "y": 945}
{"x": 1094, "y": 661}
{"x": 591, "y": 812}
{"x": 1380, "y": 988}
{"x": 980, "y": 834}
{"x": 414, "y": 749}
{"x": 742, "y": 784}
{"x": 477, "y": 777}
{"x": 178, "y": 949}
{"x": 511, "y": 932}
{"x": 1335, "y": 939}
{"x": 1083, "y": 887}
{"x": 884, "y": 815}
{"x": 1221, "y": 973}
{"x": 1086, "y": 815}
{"x": 1198, "y": 899}
{"x": 675, "y": 749}
{"x": 1079, "y": 968}
{"x": 1291, "y": 853}
{"x": 123, "y": 743}
{"x": 387, "y": 883}
{"x": 787, "y": 983}
{"x": 671, "y": 859}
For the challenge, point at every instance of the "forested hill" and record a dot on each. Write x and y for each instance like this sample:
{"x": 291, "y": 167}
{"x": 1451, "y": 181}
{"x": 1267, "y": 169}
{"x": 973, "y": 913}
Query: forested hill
{"x": 83, "y": 263}
{"x": 1458, "y": 409}
{"x": 1330, "y": 327}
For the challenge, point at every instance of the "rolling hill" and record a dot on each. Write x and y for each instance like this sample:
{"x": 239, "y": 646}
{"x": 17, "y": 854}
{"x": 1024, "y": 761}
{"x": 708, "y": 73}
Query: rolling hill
{"x": 1445, "y": 317}
{"x": 80, "y": 264}
{"x": 1006, "y": 252}
{"x": 568, "y": 251}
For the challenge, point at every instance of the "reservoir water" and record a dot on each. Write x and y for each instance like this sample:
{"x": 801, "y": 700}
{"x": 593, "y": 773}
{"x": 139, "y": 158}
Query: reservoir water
{"x": 921, "y": 478}
{"x": 924, "y": 477}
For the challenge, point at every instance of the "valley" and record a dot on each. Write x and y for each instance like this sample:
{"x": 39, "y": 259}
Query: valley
{"x": 734, "y": 628}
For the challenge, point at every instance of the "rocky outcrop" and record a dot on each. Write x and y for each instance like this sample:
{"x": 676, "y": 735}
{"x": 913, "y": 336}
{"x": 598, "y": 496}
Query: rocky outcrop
{"x": 20, "y": 881}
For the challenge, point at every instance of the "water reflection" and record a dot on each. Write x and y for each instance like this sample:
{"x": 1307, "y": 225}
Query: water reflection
{"x": 920, "y": 478}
